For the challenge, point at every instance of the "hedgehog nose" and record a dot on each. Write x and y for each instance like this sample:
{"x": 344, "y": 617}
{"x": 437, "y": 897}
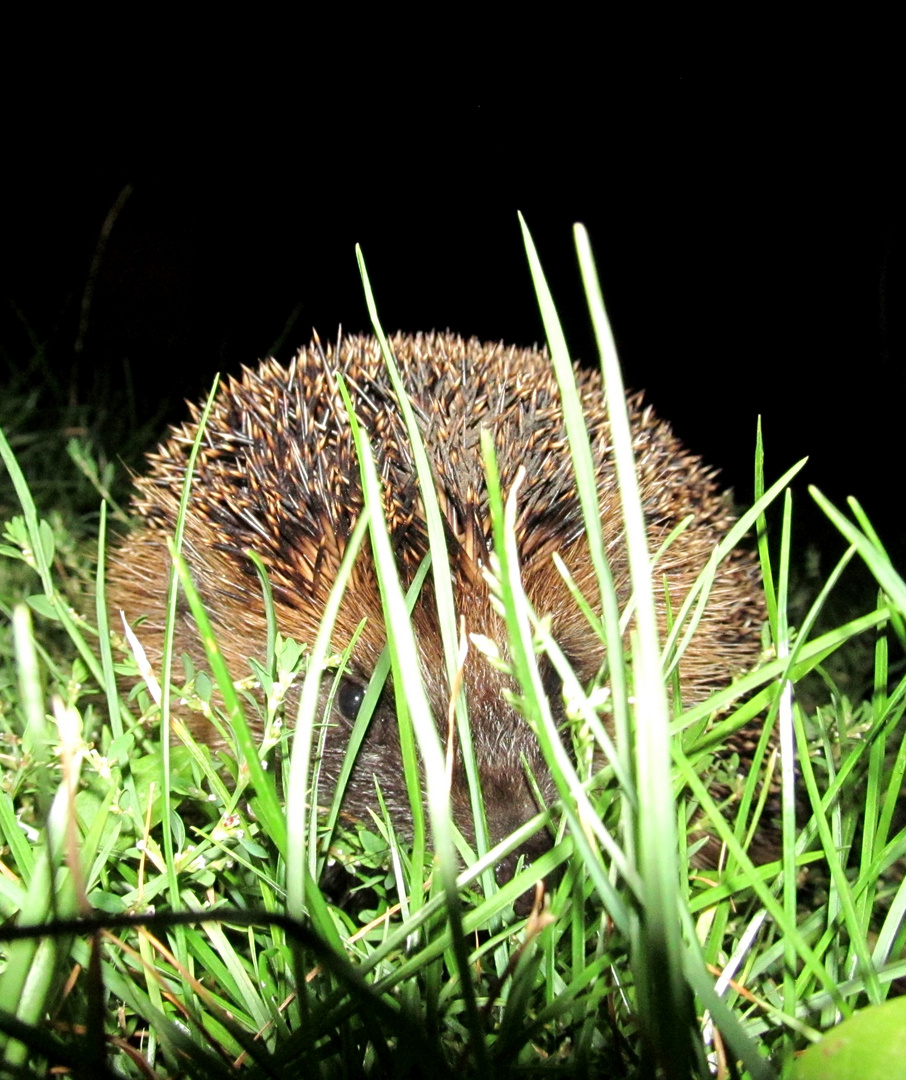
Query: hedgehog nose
{"x": 506, "y": 869}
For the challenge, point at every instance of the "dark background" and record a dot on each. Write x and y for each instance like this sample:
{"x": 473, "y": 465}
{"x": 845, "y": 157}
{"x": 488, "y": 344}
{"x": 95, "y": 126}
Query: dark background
{"x": 749, "y": 241}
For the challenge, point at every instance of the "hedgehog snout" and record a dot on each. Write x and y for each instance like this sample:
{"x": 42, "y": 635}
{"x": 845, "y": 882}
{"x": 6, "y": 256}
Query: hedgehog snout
{"x": 509, "y": 802}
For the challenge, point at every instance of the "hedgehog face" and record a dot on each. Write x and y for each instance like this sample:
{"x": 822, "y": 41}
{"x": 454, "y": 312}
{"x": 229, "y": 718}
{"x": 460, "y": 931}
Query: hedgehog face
{"x": 504, "y": 748}
{"x": 510, "y": 763}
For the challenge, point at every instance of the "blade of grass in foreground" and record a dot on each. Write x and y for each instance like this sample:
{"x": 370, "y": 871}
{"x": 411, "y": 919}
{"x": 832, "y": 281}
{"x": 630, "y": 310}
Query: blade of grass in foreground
{"x": 665, "y": 1000}
{"x": 412, "y": 700}
{"x": 441, "y": 575}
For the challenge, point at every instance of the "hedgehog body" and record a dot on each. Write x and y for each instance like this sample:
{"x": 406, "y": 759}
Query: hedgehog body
{"x": 277, "y": 472}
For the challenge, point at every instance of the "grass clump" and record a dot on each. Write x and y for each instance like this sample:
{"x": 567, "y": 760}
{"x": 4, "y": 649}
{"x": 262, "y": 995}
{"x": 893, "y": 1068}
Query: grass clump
{"x": 172, "y": 911}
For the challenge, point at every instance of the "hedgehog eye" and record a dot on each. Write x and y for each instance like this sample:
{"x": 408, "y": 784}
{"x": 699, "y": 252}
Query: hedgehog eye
{"x": 550, "y": 679}
{"x": 350, "y": 696}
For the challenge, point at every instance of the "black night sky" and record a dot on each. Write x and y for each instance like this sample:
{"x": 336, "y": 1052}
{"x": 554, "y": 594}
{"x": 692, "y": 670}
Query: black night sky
{"x": 750, "y": 243}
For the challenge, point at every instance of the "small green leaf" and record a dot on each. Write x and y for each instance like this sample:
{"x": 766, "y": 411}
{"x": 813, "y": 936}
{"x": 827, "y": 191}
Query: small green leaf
{"x": 121, "y": 748}
{"x": 203, "y": 686}
{"x": 41, "y": 605}
{"x": 47, "y": 541}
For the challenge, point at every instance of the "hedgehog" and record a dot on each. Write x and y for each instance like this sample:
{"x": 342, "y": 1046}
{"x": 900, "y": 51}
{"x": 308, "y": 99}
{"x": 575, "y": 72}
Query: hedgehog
{"x": 278, "y": 473}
